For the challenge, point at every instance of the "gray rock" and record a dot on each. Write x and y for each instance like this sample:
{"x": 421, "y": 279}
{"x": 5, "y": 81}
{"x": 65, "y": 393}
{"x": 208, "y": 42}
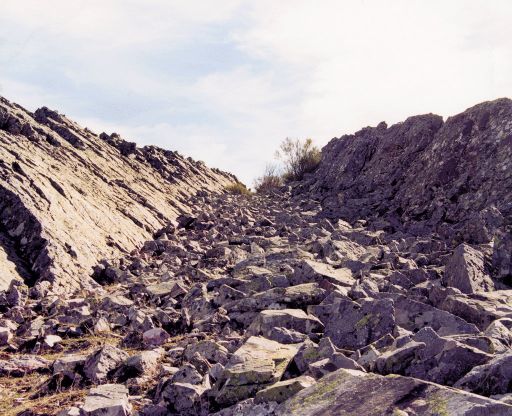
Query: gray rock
{"x": 465, "y": 271}
{"x": 257, "y": 364}
{"x": 413, "y": 315}
{"x": 283, "y": 390}
{"x": 311, "y": 271}
{"x": 107, "y": 400}
{"x": 23, "y": 365}
{"x": 101, "y": 364}
{"x": 353, "y": 325}
{"x": 184, "y": 398}
{"x": 491, "y": 378}
{"x": 155, "y": 337}
{"x": 211, "y": 350}
{"x": 373, "y": 395}
{"x": 249, "y": 408}
{"x": 294, "y": 319}
{"x": 480, "y": 309}
{"x": 502, "y": 254}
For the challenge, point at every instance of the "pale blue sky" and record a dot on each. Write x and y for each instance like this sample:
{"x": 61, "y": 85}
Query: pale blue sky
{"x": 226, "y": 81}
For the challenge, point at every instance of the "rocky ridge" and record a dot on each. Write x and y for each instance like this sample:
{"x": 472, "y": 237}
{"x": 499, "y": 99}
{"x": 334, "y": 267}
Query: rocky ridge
{"x": 69, "y": 198}
{"x": 424, "y": 174}
{"x": 279, "y": 304}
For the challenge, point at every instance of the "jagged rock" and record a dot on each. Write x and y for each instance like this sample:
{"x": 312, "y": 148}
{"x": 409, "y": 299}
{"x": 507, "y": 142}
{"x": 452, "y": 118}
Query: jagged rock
{"x": 502, "y": 254}
{"x": 23, "y": 365}
{"x": 69, "y": 368}
{"x": 101, "y": 364}
{"x": 373, "y": 395}
{"x": 286, "y": 336}
{"x": 413, "y": 315}
{"x": 155, "y": 337}
{"x": 296, "y": 296}
{"x": 243, "y": 293}
{"x": 212, "y": 351}
{"x": 427, "y": 183}
{"x": 500, "y": 330}
{"x": 171, "y": 289}
{"x": 490, "y": 378}
{"x": 353, "y": 325}
{"x": 248, "y": 408}
{"x": 107, "y": 400}
{"x": 398, "y": 360}
{"x": 140, "y": 365}
{"x": 480, "y": 309}
{"x": 441, "y": 360}
{"x": 255, "y": 365}
{"x": 465, "y": 271}
{"x": 283, "y": 390}
{"x": 294, "y": 319}
{"x": 187, "y": 374}
{"x": 184, "y": 398}
{"x": 5, "y": 336}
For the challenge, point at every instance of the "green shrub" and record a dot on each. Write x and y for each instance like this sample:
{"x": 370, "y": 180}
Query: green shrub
{"x": 270, "y": 180}
{"x": 299, "y": 156}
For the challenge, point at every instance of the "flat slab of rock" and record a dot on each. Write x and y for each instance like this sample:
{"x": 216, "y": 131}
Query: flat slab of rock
{"x": 295, "y": 319}
{"x": 283, "y": 390}
{"x": 353, "y": 392}
{"x": 255, "y": 365}
{"x": 312, "y": 271}
{"x": 280, "y": 297}
{"x": 25, "y": 364}
{"x": 107, "y": 400}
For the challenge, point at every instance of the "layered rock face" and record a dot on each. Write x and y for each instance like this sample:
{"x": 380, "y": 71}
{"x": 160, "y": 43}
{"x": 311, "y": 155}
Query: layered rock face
{"x": 69, "y": 197}
{"x": 452, "y": 177}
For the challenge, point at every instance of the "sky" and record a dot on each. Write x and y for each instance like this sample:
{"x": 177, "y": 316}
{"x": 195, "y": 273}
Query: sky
{"x": 226, "y": 81}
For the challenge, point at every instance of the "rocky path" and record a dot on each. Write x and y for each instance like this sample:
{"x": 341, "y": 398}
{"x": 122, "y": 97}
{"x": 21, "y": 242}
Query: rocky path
{"x": 256, "y": 306}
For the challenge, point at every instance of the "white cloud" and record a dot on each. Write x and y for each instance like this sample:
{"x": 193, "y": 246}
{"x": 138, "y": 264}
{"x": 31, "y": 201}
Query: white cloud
{"x": 285, "y": 68}
{"x": 374, "y": 60}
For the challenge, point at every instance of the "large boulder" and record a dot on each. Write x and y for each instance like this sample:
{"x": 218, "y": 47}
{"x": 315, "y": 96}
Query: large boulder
{"x": 414, "y": 315}
{"x": 294, "y": 319}
{"x": 107, "y": 400}
{"x": 465, "y": 271}
{"x": 255, "y": 365}
{"x": 100, "y": 365}
{"x": 353, "y": 325}
{"x": 480, "y": 309}
{"x": 491, "y": 378}
{"x": 357, "y": 393}
{"x": 312, "y": 271}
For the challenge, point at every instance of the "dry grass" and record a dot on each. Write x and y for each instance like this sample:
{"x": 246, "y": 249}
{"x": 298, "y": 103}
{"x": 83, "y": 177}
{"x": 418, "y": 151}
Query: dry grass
{"x": 238, "y": 188}
{"x": 18, "y": 394}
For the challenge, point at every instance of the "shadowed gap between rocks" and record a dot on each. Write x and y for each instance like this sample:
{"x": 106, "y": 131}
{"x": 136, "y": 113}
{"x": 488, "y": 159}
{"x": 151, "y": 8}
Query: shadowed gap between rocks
{"x": 20, "y": 238}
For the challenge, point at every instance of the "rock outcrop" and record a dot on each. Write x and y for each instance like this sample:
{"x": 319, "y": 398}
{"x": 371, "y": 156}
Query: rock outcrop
{"x": 452, "y": 177}
{"x": 69, "y": 198}
{"x": 268, "y": 305}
